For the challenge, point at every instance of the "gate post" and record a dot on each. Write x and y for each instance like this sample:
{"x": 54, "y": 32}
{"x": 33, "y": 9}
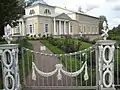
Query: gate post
{"x": 9, "y": 56}
{"x": 105, "y": 49}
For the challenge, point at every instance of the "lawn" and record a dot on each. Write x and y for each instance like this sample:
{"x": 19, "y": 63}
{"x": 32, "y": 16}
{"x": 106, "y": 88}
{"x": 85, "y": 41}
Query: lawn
{"x": 84, "y": 45}
{"x": 54, "y": 49}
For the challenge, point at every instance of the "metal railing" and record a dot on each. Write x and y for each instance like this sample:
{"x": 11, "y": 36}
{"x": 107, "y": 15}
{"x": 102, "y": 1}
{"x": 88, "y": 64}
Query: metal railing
{"x": 45, "y": 61}
{"x": 117, "y": 66}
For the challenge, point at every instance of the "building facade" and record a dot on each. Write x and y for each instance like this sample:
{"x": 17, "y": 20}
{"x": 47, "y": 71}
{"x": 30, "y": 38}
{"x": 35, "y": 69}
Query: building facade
{"x": 41, "y": 18}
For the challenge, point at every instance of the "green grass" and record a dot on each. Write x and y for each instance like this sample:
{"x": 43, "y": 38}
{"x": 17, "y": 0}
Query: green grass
{"x": 54, "y": 49}
{"x": 63, "y": 59}
{"x": 66, "y": 60}
{"x": 84, "y": 45}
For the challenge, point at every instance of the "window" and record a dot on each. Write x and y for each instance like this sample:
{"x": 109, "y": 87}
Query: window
{"x": 46, "y": 27}
{"x": 32, "y": 12}
{"x": 56, "y": 27}
{"x": 31, "y": 28}
{"x": 92, "y": 30}
{"x": 47, "y": 11}
{"x": 71, "y": 28}
{"x": 84, "y": 29}
{"x": 79, "y": 28}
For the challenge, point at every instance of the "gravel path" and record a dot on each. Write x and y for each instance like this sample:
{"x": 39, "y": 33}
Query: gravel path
{"x": 46, "y": 64}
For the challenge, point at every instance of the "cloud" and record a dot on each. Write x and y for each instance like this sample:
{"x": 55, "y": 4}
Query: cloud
{"x": 116, "y": 19}
{"x": 108, "y": 8}
{"x": 111, "y": 0}
{"x": 91, "y": 7}
{"x": 116, "y": 8}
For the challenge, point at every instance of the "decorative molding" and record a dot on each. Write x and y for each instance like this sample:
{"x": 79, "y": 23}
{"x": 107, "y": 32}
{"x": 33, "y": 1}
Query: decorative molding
{"x": 59, "y": 69}
{"x": 106, "y": 64}
{"x": 9, "y": 53}
{"x": 8, "y": 34}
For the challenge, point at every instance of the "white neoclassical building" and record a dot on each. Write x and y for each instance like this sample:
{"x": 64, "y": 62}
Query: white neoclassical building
{"x": 41, "y": 18}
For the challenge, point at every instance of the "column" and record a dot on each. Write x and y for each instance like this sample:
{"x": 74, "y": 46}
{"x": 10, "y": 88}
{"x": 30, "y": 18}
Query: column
{"x": 20, "y": 27}
{"x": 69, "y": 28}
{"x": 23, "y": 28}
{"x": 10, "y": 69}
{"x": 60, "y": 32}
{"x": 55, "y": 27}
{"x": 105, "y": 65}
{"x": 65, "y": 27}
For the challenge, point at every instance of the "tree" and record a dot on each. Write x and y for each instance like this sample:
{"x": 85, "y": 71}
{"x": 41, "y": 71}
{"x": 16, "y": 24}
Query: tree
{"x": 101, "y": 20}
{"x": 10, "y": 11}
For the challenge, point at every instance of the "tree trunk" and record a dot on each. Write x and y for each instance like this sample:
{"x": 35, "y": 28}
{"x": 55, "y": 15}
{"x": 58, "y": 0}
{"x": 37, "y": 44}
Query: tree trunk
{"x": 1, "y": 30}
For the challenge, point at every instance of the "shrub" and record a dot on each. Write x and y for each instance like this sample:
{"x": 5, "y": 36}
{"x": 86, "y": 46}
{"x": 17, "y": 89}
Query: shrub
{"x": 51, "y": 36}
{"x": 27, "y": 35}
{"x": 47, "y": 35}
{"x": 35, "y": 36}
{"x": 39, "y": 35}
{"x": 31, "y": 36}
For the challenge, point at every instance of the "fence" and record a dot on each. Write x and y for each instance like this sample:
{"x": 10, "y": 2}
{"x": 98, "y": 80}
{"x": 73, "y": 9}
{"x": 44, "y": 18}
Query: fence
{"x": 117, "y": 67}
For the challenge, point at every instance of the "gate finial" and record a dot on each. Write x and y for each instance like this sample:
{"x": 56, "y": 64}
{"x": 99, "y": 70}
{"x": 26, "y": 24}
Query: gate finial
{"x": 105, "y": 30}
{"x": 8, "y": 34}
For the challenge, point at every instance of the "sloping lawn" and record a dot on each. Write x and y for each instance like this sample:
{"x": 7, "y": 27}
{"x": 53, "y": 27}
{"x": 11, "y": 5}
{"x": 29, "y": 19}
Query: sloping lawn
{"x": 84, "y": 45}
{"x": 70, "y": 60}
{"x": 54, "y": 49}
{"x": 66, "y": 60}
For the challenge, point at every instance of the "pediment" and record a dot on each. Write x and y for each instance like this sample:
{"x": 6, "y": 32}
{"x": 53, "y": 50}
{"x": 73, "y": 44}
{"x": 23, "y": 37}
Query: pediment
{"x": 63, "y": 16}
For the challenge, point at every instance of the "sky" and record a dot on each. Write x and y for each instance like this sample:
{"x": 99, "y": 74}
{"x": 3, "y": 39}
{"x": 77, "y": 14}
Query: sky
{"x": 108, "y": 8}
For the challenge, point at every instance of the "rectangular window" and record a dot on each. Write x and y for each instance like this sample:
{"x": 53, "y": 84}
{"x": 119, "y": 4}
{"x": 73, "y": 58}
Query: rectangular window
{"x": 56, "y": 27}
{"x": 46, "y": 27}
{"x": 84, "y": 30}
{"x": 31, "y": 28}
{"x": 71, "y": 28}
{"x": 79, "y": 28}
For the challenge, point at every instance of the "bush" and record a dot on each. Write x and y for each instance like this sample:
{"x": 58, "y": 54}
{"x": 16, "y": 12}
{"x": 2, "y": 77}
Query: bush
{"x": 39, "y": 35}
{"x": 35, "y": 36}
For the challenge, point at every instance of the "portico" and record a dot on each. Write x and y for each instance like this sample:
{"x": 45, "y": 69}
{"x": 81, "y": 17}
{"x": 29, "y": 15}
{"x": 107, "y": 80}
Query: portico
{"x": 61, "y": 27}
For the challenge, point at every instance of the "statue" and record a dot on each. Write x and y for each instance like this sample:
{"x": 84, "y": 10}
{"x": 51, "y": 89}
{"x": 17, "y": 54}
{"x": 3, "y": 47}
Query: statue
{"x": 8, "y": 34}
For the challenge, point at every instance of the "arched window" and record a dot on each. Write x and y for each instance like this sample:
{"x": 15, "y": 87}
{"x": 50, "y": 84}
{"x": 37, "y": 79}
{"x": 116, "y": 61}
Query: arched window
{"x": 32, "y": 12}
{"x": 47, "y": 11}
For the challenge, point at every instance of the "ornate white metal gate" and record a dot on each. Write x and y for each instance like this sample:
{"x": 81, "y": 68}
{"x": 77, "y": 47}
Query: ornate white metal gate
{"x": 92, "y": 68}
{"x": 77, "y": 70}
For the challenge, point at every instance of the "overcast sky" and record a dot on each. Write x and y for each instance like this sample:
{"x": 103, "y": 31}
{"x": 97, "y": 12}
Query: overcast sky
{"x": 109, "y": 8}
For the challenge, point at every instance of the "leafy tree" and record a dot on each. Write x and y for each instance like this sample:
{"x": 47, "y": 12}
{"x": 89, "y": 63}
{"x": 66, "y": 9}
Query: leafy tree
{"x": 115, "y": 33}
{"x": 10, "y": 11}
{"x": 29, "y": 2}
{"x": 32, "y": 0}
{"x": 101, "y": 20}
